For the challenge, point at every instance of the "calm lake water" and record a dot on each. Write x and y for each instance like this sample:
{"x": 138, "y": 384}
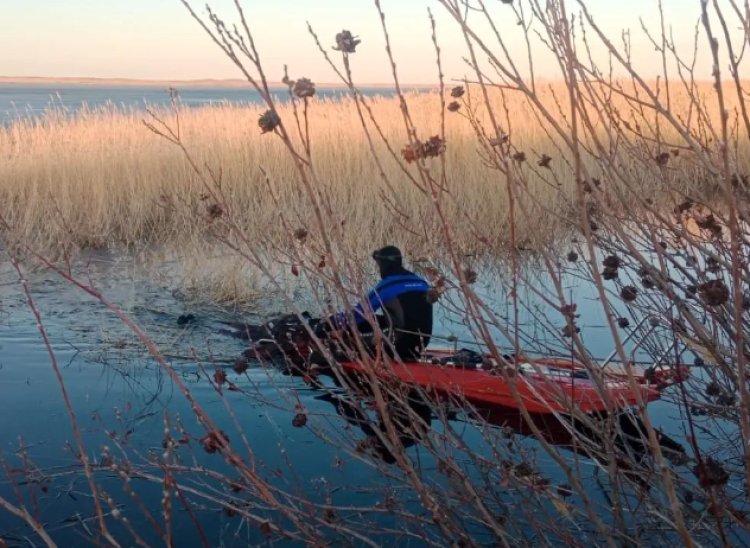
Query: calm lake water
{"x": 121, "y": 396}
{"x": 18, "y": 100}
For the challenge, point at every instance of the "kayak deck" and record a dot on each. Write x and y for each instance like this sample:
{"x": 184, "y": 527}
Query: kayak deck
{"x": 541, "y": 385}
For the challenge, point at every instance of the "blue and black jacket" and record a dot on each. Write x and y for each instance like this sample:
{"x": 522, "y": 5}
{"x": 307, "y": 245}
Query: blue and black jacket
{"x": 402, "y": 295}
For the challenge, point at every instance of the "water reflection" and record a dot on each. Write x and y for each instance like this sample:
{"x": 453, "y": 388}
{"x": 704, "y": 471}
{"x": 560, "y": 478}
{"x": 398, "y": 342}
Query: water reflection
{"x": 413, "y": 417}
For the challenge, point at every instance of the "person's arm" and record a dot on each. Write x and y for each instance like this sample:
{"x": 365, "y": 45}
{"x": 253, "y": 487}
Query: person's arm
{"x": 373, "y": 303}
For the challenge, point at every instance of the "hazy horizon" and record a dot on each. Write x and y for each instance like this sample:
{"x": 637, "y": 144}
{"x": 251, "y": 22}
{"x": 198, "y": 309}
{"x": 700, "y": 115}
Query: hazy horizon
{"x": 158, "y": 40}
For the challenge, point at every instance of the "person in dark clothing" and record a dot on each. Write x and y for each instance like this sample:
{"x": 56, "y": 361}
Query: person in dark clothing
{"x": 402, "y": 296}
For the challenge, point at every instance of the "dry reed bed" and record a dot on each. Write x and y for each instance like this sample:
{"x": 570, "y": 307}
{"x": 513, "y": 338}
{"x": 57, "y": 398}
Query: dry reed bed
{"x": 100, "y": 178}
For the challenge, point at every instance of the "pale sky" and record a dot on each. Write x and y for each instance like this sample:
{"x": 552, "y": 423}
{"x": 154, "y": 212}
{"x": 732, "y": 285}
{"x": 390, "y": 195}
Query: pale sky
{"x": 157, "y": 39}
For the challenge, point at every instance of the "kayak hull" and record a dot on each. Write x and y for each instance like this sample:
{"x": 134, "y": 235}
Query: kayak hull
{"x": 546, "y": 385}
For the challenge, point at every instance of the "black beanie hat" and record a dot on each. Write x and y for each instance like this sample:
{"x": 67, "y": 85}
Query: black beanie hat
{"x": 388, "y": 253}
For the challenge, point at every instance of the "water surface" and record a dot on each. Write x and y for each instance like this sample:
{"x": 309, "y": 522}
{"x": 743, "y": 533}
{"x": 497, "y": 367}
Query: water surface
{"x": 120, "y": 397}
{"x": 21, "y": 100}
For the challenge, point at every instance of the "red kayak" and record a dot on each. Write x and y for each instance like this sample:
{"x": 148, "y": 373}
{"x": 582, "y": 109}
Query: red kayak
{"x": 542, "y": 385}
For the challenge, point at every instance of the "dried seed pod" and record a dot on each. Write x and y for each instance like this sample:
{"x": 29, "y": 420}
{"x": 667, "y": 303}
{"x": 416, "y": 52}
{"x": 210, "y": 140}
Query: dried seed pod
{"x": 299, "y": 420}
{"x": 220, "y": 376}
{"x": 412, "y": 152}
{"x": 215, "y": 211}
{"x": 471, "y": 276}
{"x": 523, "y": 470}
{"x": 454, "y": 106}
{"x": 457, "y": 92}
{"x": 303, "y": 88}
{"x": 346, "y": 42}
{"x": 714, "y": 292}
{"x": 240, "y": 365}
{"x": 629, "y": 293}
{"x": 417, "y": 150}
{"x": 572, "y": 256}
{"x": 662, "y": 159}
{"x": 713, "y": 389}
{"x": 588, "y": 186}
{"x": 434, "y": 147}
{"x": 711, "y": 473}
{"x": 214, "y": 441}
{"x": 269, "y": 121}
{"x": 544, "y": 161}
{"x": 519, "y": 157}
{"x": 648, "y": 282}
{"x": 300, "y": 234}
{"x": 497, "y": 141}
{"x": 569, "y": 329}
{"x": 612, "y": 261}
{"x": 623, "y": 322}
{"x": 609, "y": 273}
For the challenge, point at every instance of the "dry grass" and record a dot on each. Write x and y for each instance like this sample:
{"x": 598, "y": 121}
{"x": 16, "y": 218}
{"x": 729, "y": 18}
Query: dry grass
{"x": 101, "y": 179}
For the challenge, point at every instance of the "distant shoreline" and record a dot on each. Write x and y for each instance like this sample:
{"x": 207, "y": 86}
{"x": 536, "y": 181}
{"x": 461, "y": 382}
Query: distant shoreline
{"x": 205, "y": 83}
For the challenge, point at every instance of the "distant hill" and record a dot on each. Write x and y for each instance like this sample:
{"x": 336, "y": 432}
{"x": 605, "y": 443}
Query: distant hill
{"x": 121, "y": 82}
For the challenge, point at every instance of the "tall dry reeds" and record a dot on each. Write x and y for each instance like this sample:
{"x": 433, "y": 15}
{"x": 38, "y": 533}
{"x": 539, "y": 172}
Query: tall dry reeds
{"x": 626, "y": 165}
{"x": 96, "y": 179}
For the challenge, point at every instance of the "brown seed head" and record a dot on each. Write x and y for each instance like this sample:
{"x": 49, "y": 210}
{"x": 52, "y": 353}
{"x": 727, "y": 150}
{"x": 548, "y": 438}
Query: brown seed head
{"x": 215, "y": 211}
{"x": 303, "y": 88}
{"x": 519, "y": 157}
{"x": 299, "y": 420}
{"x": 612, "y": 261}
{"x": 714, "y": 292}
{"x": 497, "y": 141}
{"x": 240, "y": 365}
{"x": 346, "y": 42}
{"x": 470, "y": 275}
{"x": 268, "y": 121}
{"x": 300, "y": 234}
{"x": 711, "y": 473}
{"x": 220, "y": 376}
{"x": 214, "y": 441}
{"x": 544, "y": 161}
{"x": 434, "y": 147}
{"x": 457, "y": 92}
{"x": 454, "y": 106}
{"x": 662, "y": 159}
{"x": 417, "y": 150}
{"x": 609, "y": 273}
{"x": 629, "y": 293}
